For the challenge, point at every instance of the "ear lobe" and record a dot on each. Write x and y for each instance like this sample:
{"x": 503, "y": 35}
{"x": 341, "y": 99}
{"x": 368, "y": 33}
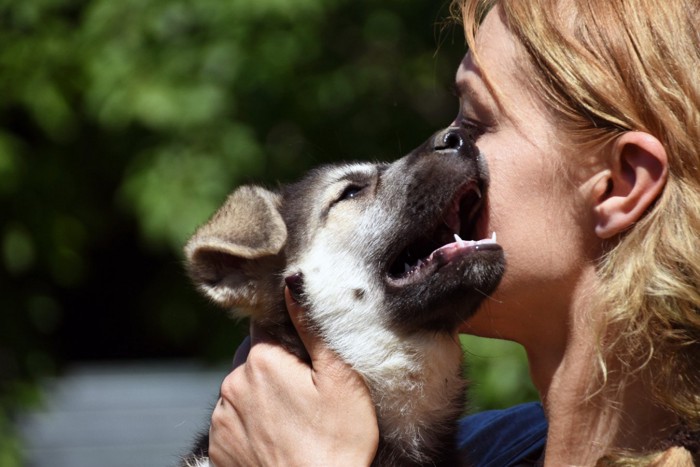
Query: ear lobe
{"x": 634, "y": 180}
{"x": 233, "y": 257}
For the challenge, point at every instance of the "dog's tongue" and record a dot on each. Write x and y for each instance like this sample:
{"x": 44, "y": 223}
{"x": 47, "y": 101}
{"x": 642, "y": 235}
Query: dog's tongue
{"x": 484, "y": 241}
{"x": 447, "y": 253}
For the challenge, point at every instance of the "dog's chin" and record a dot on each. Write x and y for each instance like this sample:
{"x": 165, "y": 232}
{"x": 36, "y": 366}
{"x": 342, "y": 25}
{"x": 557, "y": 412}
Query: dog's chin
{"x": 448, "y": 289}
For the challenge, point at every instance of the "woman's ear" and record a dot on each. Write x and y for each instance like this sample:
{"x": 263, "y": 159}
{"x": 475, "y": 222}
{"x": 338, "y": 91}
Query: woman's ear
{"x": 634, "y": 179}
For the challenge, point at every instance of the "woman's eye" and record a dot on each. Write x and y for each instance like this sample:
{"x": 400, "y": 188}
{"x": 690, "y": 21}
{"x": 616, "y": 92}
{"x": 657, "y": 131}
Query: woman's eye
{"x": 350, "y": 192}
{"x": 474, "y": 130}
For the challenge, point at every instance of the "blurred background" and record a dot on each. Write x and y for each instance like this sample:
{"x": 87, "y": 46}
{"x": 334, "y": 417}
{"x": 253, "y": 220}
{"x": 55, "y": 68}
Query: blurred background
{"x": 124, "y": 124}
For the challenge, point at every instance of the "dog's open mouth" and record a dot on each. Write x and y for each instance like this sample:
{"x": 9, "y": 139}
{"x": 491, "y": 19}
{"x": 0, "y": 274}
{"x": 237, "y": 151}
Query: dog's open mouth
{"x": 450, "y": 240}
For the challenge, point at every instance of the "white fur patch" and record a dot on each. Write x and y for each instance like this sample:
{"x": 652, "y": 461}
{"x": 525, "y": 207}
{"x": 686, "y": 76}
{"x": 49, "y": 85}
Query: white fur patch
{"x": 203, "y": 462}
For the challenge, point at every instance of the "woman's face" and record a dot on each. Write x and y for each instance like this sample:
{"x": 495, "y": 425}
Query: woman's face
{"x": 539, "y": 214}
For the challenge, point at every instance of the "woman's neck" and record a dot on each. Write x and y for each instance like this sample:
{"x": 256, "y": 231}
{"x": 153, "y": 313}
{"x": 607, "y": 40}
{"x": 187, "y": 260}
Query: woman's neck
{"x": 588, "y": 419}
{"x": 584, "y": 424}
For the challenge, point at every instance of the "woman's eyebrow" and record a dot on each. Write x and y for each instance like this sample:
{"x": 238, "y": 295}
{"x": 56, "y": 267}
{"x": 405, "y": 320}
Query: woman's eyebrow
{"x": 469, "y": 86}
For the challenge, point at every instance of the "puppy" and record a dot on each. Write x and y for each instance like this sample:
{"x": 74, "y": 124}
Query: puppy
{"x": 387, "y": 259}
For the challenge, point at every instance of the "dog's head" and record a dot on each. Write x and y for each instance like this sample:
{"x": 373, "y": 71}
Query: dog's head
{"x": 371, "y": 241}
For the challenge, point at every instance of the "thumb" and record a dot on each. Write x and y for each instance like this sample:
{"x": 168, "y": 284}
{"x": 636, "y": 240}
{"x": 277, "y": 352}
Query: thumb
{"x": 313, "y": 344}
{"x": 324, "y": 361}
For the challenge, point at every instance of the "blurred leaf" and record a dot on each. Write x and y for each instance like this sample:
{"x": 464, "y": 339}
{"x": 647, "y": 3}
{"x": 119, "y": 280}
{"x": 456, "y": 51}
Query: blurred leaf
{"x": 174, "y": 188}
{"x": 169, "y": 63}
{"x": 45, "y": 313}
{"x": 9, "y": 165}
{"x": 497, "y": 371}
{"x": 17, "y": 249}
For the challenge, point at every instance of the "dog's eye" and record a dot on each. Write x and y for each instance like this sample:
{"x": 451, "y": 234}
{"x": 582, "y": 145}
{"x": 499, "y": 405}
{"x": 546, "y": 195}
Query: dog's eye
{"x": 350, "y": 192}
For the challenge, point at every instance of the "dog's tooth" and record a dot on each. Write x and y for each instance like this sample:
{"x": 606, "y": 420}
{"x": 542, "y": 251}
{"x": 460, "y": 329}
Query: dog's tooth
{"x": 406, "y": 267}
{"x": 491, "y": 239}
{"x": 458, "y": 239}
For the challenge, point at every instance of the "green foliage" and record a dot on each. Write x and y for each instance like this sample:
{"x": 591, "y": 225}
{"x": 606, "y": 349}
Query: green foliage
{"x": 498, "y": 374}
{"x": 123, "y": 124}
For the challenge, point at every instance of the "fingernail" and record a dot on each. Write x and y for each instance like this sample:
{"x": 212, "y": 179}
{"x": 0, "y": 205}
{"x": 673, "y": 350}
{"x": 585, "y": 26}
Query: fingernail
{"x": 295, "y": 284}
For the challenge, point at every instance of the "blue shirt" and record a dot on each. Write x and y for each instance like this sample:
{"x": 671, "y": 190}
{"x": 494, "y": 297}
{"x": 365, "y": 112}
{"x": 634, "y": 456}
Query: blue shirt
{"x": 504, "y": 438}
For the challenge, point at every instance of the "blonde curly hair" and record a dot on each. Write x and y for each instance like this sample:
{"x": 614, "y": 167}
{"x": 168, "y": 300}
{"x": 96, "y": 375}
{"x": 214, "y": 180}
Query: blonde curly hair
{"x": 604, "y": 68}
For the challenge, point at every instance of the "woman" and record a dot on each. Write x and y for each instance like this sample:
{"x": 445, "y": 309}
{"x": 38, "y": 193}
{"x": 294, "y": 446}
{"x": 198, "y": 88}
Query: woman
{"x": 588, "y": 114}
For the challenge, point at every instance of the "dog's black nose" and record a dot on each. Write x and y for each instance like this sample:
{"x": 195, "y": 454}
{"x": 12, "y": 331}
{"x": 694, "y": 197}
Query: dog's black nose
{"x": 451, "y": 138}
{"x": 454, "y": 139}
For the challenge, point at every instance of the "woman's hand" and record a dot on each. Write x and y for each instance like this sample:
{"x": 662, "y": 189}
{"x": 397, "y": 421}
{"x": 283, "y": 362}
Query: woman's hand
{"x": 277, "y": 410}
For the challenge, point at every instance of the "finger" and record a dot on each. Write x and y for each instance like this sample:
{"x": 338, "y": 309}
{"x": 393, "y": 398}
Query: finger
{"x": 226, "y": 430}
{"x": 323, "y": 359}
{"x": 296, "y": 313}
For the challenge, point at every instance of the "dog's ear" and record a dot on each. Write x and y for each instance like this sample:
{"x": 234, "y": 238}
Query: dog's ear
{"x": 235, "y": 256}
